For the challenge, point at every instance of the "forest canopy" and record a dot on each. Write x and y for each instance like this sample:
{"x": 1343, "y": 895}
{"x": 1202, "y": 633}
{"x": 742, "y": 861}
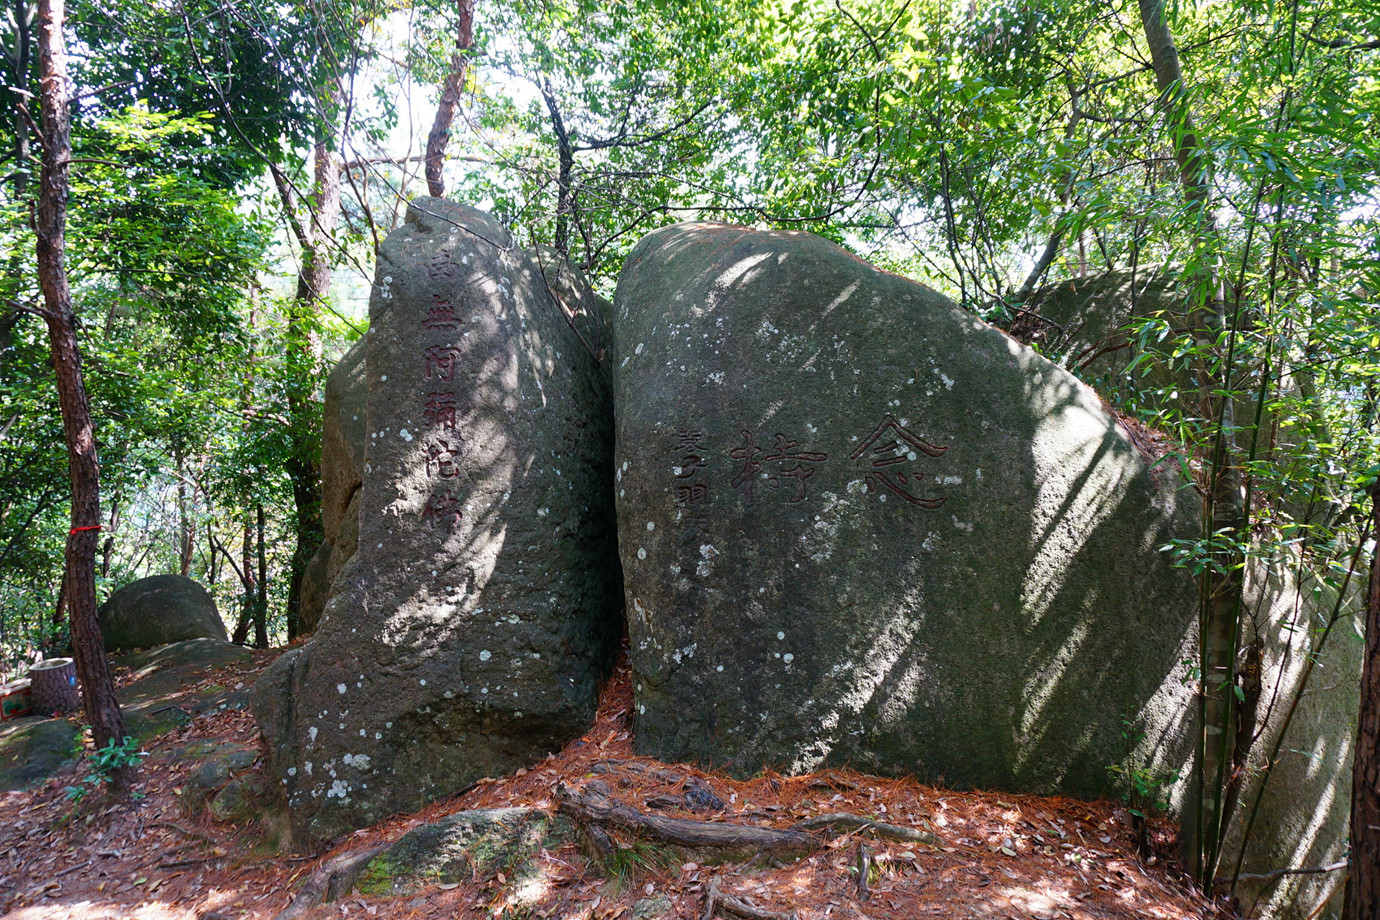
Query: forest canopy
{"x": 235, "y": 166}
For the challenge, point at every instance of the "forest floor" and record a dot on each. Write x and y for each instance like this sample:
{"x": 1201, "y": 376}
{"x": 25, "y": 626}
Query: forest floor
{"x": 996, "y": 855}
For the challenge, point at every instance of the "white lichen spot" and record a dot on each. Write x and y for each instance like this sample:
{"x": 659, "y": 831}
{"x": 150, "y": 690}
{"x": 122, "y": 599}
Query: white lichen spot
{"x": 340, "y": 688}
{"x": 780, "y": 635}
{"x": 338, "y": 790}
{"x": 641, "y": 553}
{"x": 292, "y": 771}
{"x": 543, "y": 512}
{"x": 405, "y": 434}
{"x": 311, "y": 733}
{"x": 788, "y": 658}
{"x": 485, "y": 655}
{"x": 720, "y": 669}
{"x": 383, "y": 378}
{"x": 651, "y": 526}
{"x": 422, "y": 681}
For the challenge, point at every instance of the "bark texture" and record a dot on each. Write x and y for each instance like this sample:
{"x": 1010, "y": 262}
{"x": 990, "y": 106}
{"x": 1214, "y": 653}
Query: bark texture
{"x": 454, "y": 86}
{"x": 1224, "y": 513}
{"x": 1363, "y": 886}
{"x": 313, "y": 223}
{"x": 93, "y": 670}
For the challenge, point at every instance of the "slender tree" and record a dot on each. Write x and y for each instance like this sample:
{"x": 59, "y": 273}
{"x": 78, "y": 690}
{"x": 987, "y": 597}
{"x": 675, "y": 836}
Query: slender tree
{"x": 1223, "y": 513}
{"x": 1363, "y": 885}
{"x": 450, "y": 101}
{"x": 98, "y": 689}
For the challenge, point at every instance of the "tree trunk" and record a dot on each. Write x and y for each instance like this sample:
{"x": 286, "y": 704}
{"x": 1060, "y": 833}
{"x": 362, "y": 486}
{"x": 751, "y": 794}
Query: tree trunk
{"x": 186, "y": 528}
{"x": 11, "y": 284}
{"x": 566, "y": 204}
{"x": 450, "y": 101}
{"x": 261, "y": 585}
{"x": 241, "y": 635}
{"x": 98, "y": 690}
{"x": 1224, "y": 513}
{"x": 315, "y": 234}
{"x": 1363, "y": 885}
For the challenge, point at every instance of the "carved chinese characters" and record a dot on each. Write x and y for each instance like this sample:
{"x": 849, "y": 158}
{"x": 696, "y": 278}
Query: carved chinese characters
{"x": 859, "y": 526}
{"x": 890, "y": 449}
{"x": 442, "y": 441}
{"x": 467, "y": 635}
{"x": 888, "y": 454}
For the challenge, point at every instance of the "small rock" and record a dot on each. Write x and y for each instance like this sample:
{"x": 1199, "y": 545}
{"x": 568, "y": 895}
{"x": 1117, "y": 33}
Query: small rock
{"x": 651, "y": 908}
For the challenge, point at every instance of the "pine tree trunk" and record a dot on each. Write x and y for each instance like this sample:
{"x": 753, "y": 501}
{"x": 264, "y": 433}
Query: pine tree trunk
{"x": 261, "y": 585}
{"x": 1363, "y": 885}
{"x": 439, "y": 137}
{"x": 93, "y": 670}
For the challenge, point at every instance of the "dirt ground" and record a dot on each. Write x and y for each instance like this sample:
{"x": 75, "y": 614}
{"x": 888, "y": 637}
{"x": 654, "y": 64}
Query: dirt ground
{"x": 996, "y": 855}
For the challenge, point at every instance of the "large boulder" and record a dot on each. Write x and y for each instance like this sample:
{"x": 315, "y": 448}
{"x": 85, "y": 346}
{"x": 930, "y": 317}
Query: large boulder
{"x": 467, "y": 634}
{"x": 343, "y": 434}
{"x": 343, "y": 431}
{"x": 1296, "y": 795}
{"x": 860, "y": 526}
{"x": 159, "y": 610}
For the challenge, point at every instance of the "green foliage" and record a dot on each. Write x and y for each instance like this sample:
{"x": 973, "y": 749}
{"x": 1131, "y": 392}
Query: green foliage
{"x": 626, "y": 864}
{"x": 104, "y": 765}
{"x": 1144, "y": 790}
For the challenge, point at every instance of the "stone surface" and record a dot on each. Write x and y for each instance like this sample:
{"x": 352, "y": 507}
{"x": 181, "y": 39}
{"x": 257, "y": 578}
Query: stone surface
{"x": 158, "y": 691}
{"x": 240, "y": 799}
{"x": 860, "y": 526}
{"x": 463, "y": 845}
{"x": 342, "y": 461}
{"x": 157, "y": 611}
{"x": 653, "y": 908}
{"x": 164, "y": 689}
{"x": 33, "y": 749}
{"x": 467, "y": 634}
{"x": 1302, "y": 818}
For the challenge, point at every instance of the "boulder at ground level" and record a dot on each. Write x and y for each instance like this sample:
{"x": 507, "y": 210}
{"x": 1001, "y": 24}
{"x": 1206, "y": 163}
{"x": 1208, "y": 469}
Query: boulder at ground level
{"x": 861, "y": 527}
{"x": 157, "y": 611}
{"x": 342, "y": 459}
{"x": 467, "y": 634}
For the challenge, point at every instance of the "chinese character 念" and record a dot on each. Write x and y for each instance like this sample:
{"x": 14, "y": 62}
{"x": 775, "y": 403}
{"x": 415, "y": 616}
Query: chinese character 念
{"x": 889, "y": 447}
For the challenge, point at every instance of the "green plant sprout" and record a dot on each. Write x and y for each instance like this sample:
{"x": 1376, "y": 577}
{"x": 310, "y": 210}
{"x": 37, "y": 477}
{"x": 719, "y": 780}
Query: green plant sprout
{"x": 104, "y": 765}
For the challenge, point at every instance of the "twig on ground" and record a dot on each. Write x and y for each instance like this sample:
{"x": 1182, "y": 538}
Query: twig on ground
{"x": 863, "y": 864}
{"x": 715, "y": 899}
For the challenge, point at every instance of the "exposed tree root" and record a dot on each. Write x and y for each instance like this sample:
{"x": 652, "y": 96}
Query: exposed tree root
{"x": 593, "y": 805}
{"x": 699, "y": 795}
{"x": 331, "y": 881}
{"x": 847, "y": 822}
